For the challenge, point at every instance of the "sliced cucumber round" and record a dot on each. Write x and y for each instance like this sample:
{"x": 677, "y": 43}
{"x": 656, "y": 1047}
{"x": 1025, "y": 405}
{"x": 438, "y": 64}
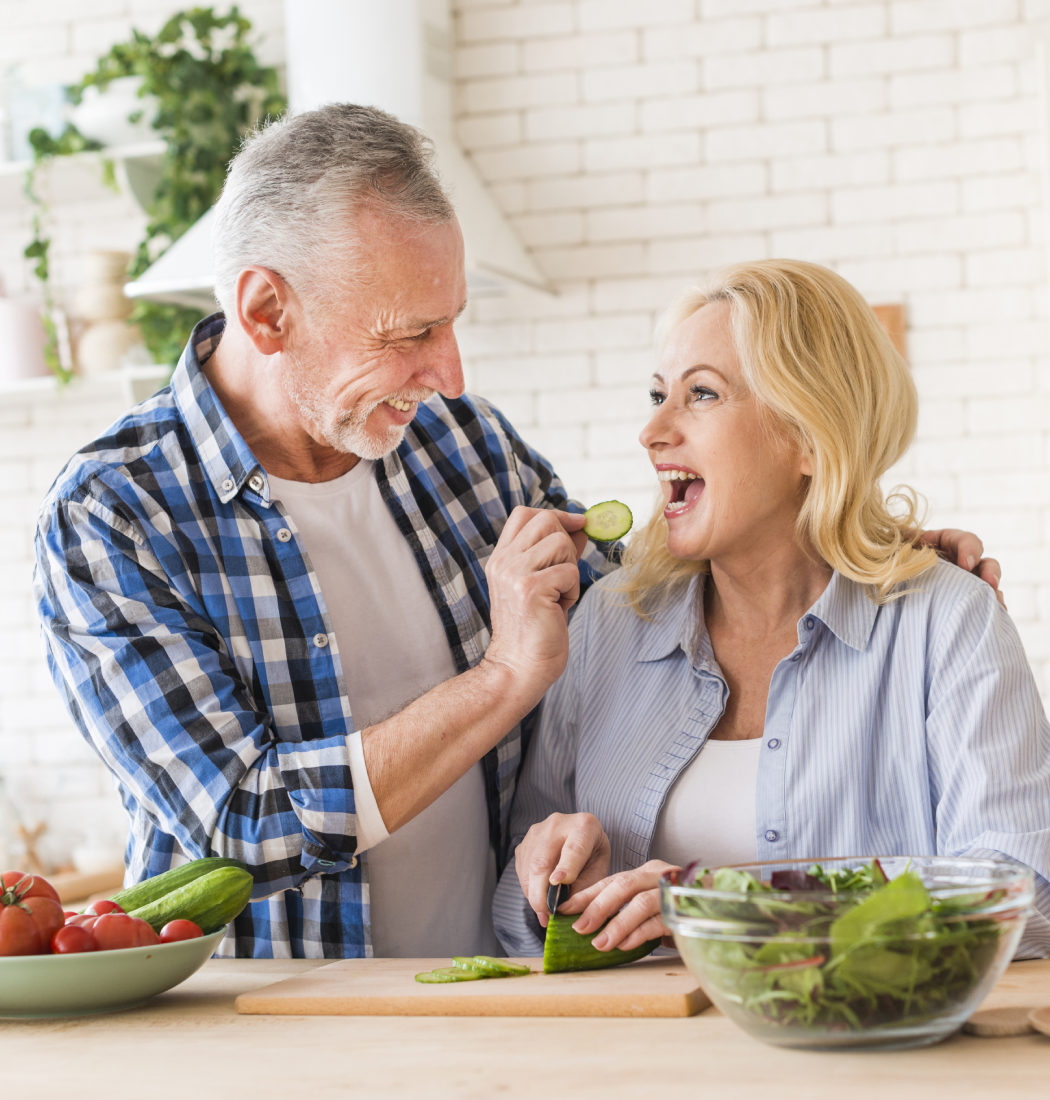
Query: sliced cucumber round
{"x": 608, "y": 521}
{"x": 449, "y": 974}
{"x": 492, "y": 967}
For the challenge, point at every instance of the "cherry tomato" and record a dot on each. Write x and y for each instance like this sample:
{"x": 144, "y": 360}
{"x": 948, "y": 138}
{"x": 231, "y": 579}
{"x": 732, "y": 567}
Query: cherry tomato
{"x": 176, "y": 930}
{"x": 67, "y": 913}
{"x": 72, "y": 940}
{"x": 101, "y": 908}
{"x": 145, "y": 936}
{"x": 115, "y": 931}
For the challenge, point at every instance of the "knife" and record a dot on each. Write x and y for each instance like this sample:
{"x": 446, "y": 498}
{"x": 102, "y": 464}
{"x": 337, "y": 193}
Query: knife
{"x": 556, "y": 894}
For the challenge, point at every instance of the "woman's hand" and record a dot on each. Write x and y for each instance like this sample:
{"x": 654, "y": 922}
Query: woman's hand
{"x": 634, "y": 896}
{"x": 570, "y": 848}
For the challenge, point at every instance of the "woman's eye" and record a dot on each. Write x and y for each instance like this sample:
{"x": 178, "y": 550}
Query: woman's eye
{"x": 656, "y": 397}
{"x": 703, "y": 393}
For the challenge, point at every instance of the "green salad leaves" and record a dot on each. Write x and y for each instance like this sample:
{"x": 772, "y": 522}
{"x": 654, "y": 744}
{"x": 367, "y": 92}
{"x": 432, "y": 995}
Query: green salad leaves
{"x": 840, "y": 950}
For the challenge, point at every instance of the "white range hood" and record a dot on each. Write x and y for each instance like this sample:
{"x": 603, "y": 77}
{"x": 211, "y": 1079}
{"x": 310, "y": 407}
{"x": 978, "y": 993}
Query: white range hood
{"x": 394, "y": 54}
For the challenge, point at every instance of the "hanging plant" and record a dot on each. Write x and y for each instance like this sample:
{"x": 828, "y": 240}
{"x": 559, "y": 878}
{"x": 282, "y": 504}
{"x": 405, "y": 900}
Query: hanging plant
{"x": 210, "y": 92}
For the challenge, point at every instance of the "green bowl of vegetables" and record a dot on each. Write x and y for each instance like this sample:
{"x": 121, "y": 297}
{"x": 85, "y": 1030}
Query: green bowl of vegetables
{"x": 889, "y": 952}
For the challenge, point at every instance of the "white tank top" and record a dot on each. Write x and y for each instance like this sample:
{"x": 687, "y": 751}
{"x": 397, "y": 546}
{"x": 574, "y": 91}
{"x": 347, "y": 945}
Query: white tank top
{"x": 709, "y": 812}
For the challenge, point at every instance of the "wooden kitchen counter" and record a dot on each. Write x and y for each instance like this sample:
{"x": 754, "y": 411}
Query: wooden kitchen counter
{"x": 190, "y": 1044}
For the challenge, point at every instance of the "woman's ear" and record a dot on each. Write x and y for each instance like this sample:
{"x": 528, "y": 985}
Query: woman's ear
{"x": 264, "y": 308}
{"x": 805, "y": 462}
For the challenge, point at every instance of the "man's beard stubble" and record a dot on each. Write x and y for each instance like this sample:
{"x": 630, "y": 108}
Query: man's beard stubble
{"x": 348, "y": 432}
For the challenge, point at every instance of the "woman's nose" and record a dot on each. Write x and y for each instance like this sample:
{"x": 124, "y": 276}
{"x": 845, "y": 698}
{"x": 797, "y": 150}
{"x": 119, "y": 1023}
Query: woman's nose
{"x": 660, "y": 431}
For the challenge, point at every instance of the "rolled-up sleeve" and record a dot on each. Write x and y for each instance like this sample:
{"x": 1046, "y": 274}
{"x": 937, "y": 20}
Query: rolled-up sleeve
{"x": 154, "y": 688}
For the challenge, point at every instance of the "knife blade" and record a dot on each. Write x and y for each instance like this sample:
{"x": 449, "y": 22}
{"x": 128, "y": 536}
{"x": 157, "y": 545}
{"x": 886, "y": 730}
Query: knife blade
{"x": 556, "y": 894}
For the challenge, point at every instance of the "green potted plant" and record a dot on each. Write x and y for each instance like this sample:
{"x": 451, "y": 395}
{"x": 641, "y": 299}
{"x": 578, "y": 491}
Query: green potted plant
{"x": 208, "y": 89}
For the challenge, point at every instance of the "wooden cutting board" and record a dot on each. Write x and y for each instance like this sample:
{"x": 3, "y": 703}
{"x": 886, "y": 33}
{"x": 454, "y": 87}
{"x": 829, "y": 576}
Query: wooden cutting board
{"x": 387, "y": 987}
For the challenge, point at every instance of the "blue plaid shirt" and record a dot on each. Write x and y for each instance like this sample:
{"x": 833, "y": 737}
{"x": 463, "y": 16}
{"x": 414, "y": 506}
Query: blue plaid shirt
{"x": 183, "y": 635}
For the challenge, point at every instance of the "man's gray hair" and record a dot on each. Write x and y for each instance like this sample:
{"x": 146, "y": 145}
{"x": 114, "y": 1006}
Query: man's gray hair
{"x": 290, "y": 193}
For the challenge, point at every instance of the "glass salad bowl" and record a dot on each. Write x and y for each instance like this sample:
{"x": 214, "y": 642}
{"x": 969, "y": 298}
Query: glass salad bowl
{"x": 837, "y": 953}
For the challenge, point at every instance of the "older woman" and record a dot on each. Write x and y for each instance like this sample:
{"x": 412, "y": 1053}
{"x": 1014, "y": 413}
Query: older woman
{"x": 779, "y": 672}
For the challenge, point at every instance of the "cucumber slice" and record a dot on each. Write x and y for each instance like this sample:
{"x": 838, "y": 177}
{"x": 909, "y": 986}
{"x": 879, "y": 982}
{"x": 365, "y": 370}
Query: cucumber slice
{"x": 492, "y": 967}
{"x": 565, "y": 949}
{"x": 607, "y": 522}
{"x": 449, "y": 974}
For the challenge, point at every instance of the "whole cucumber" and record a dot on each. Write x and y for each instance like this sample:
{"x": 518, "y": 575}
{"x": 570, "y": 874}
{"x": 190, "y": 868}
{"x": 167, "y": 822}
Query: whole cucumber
{"x": 150, "y": 889}
{"x": 211, "y": 901}
{"x": 565, "y": 949}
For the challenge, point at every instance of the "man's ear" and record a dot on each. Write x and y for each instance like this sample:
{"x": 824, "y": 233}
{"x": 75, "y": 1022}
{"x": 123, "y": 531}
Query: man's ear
{"x": 265, "y": 309}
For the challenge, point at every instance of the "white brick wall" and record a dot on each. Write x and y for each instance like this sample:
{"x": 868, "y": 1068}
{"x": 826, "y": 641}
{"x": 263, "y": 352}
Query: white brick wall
{"x": 635, "y": 145}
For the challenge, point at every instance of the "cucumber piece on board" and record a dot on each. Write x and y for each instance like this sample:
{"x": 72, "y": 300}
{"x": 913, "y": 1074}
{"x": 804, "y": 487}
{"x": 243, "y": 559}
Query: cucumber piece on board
{"x": 152, "y": 889}
{"x": 608, "y": 521}
{"x": 449, "y": 974}
{"x": 491, "y": 967}
{"x": 565, "y": 949}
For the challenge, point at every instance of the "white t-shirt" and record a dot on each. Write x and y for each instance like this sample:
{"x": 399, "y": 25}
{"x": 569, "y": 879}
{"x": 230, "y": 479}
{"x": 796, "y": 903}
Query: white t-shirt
{"x": 709, "y": 812}
{"x": 430, "y": 884}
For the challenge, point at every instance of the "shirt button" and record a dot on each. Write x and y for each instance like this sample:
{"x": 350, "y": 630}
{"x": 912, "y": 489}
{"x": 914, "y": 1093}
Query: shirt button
{"x": 810, "y": 623}
{"x": 772, "y": 835}
{"x": 227, "y": 485}
{"x": 773, "y": 743}
{"x": 284, "y": 535}
{"x": 320, "y": 640}
{"x": 255, "y": 483}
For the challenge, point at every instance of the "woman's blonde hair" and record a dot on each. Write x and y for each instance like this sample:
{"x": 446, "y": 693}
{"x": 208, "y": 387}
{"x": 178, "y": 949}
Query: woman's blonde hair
{"x": 814, "y": 355}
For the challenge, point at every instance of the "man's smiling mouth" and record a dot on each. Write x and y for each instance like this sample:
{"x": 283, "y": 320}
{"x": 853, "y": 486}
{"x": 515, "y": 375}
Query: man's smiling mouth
{"x": 686, "y": 487}
{"x": 394, "y": 403}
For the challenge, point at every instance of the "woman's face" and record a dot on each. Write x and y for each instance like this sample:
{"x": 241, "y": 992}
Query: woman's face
{"x": 733, "y": 480}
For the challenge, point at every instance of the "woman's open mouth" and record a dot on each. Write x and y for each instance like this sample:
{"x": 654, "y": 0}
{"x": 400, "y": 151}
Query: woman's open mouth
{"x": 686, "y": 487}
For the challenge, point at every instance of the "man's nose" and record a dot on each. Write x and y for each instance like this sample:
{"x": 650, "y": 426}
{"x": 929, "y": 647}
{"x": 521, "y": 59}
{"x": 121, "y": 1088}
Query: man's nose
{"x": 443, "y": 367}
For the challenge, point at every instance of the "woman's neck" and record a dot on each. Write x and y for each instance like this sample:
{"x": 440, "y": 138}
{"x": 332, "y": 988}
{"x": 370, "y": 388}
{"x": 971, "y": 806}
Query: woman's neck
{"x": 764, "y": 593}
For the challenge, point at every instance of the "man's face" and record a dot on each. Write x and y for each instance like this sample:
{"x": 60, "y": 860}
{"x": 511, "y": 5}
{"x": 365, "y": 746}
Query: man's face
{"x": 359, "y": 365}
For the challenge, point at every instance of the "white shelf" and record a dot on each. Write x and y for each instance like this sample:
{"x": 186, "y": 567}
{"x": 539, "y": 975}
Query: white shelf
{"x": 138, "y": 151}
{"x": 135, "y": 380}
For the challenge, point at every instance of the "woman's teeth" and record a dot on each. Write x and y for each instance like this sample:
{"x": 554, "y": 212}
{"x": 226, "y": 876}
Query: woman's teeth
{"x": 675, "y": 505}
{"x": 401, "y": 406}
{"x": 675, "y": 475}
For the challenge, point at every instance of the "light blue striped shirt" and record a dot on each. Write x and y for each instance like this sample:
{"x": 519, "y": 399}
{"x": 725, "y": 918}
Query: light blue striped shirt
{"x": 911, "y": 728}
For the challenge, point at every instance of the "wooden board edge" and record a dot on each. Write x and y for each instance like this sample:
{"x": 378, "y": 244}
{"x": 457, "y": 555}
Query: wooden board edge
{"x": 578, "y": 1005}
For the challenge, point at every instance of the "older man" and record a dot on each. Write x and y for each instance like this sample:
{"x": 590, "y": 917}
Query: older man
{"x": 302, "y": 600}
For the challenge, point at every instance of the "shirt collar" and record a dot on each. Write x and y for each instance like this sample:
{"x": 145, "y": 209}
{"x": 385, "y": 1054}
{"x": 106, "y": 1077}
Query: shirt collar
{"x": 844, "y": 607}
{"x": 226, "y": 458}
{"x": 847, "y": 610}
{"x": 675, "y": 624}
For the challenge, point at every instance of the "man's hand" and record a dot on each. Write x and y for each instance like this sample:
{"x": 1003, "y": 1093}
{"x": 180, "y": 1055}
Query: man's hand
{"x": 634, "y": 898}
{"x": 571, "y": 848}
{"x": 964, "y": 549}
{"x": 533, "y": 581}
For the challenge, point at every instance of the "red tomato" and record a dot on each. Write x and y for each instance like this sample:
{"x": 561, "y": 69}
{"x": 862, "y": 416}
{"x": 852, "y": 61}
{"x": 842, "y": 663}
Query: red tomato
{"x": 101, "y": 908}
{"x": 176, "y": 930}
{"x": 85, "y": 920}
{"x": 30, "y": 914}
{"x": 72, "y": 940}
{"x": 115, "y": 931}
{"x": 145, "y": 935}
{"x": 27, "y": 885}
{"x": 67, "y": 913}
